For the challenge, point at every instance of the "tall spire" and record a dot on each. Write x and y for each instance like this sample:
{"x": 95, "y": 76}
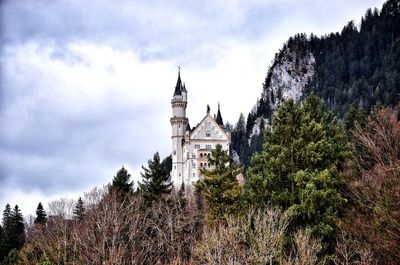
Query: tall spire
{"x": 184, "y": 87}
{"x": 178, "y": 87}
{"x": 219, "y": 117}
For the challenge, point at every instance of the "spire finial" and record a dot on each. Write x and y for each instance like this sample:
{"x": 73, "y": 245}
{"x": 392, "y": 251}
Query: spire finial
{"x": 218, "y": 105}
{"x": 208, "y": 108}
{"x": 179, "y": 70}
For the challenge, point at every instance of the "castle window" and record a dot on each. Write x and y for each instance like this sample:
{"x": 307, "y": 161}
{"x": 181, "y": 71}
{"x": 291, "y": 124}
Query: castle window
{"x": 197, "y": 146}
{"x": 209, "y": 155}
{"x": 174, "y": 152}
{"x": 208, "y": 146}
{"x": 208, "y": 164}
{"x": 201, "y": 154}
{"x": 201, "y": 164}
{"x": 193, "y": 155}
{"x": 208, "y": 134}
{"x": 187, "y": 155}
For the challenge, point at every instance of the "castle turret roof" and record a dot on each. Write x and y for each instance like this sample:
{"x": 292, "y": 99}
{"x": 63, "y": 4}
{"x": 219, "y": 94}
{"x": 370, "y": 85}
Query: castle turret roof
{"x": 219, "y": 118}
{"x": 178, "y": 87}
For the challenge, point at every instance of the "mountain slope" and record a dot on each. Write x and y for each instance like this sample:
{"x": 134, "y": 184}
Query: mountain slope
{"x": 359, "y": 65}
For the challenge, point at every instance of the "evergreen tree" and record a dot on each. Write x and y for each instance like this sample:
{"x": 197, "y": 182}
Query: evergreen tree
{"x": 219, "y": 186}
{"x": 298, "y": 168}
{"x": 121, "y": 184}
{"x": 354, "y": 115}
{"x": 40, "y": 215}
{"x": 167, "y": 164}
{"x": 13, "y": 230}
{"x": 79, "y": 210}
{"x": 18, "y": 227}
{"x": 155, "y": 179}
{"x": 1, "y": 244}
{"x": 5, "y": 244}
{"x": 12, "y": 258}
{"x": 44, "y": 260}
{"x": 239, "y": 140}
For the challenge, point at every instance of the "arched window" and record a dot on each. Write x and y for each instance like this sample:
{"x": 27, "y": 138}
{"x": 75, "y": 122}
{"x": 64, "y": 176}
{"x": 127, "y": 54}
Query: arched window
{"x": 201, "y": 154}
{"x": 201, "y": 164}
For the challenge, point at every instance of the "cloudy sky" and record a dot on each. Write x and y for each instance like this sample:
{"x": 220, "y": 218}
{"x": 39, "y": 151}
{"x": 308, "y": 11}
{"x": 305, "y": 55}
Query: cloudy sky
{"x": 85, "y": 86}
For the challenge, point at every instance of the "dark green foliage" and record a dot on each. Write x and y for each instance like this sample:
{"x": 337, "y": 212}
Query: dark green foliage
{"x": 12, "y": 258}
{"x": 40, "y": 215}
{"x": 298, "y": 168}
{"x": 156, "y": 178}
{"x": 167, "y": 164}
{"x": 79, "y": 210}
{"x": 219, "y": 186}
{"x": 13, "y": 231}
{"x": 121, "y": 183}
{"x": 44, "y": 260}
{"x": 354, "y": 116}
{"x": 239, "y": 140}
{"x": 359, "y": 66}
{"x": 362, "y": 65}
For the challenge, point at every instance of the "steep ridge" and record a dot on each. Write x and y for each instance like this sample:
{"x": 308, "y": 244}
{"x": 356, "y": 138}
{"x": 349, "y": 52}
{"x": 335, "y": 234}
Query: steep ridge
{"x": 360, "y": 65}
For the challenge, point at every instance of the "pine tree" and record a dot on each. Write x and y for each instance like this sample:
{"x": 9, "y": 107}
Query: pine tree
{"x": 298, "y": 168}
{"x": 12, "y": 258}
{"x": 13, "y": 231}
{"x": 44, "y": 260}
{"x": 79, "y": 210}
{"x": 219, "y": 186}
{"x": 5, "y": 244}
{"x": 155, "y": 179}
{"x": 18, "y": 227}
{"x": 121, "y": 185}
{"x": 40, "y": 215}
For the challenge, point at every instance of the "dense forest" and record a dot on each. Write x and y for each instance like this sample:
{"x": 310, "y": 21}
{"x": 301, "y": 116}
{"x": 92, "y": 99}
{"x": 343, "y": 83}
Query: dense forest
{"x": 359, "y": 66}
{"x": 322, "y": 176}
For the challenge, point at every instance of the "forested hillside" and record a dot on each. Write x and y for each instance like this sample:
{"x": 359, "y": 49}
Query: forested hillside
{"x": 360, "y": 66}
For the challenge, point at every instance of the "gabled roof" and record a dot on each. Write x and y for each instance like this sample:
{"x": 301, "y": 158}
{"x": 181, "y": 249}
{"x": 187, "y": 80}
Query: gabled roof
{"x": 198, "y": 127}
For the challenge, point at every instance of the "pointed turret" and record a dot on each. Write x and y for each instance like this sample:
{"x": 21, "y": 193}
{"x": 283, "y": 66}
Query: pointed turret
{"x": 187, "y": 127}
{"x": 178, "y": 87}
{"x": 219, "y": 120}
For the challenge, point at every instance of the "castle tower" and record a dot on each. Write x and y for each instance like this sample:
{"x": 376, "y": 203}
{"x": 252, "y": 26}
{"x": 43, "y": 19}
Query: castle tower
{"x": 179, "y": 123}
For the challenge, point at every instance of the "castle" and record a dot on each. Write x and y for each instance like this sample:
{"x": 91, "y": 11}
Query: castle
{"x": 191, "y": 147}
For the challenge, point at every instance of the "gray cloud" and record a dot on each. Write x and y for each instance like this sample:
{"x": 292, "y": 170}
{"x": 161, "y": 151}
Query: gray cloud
{"x": 84, "y": 84}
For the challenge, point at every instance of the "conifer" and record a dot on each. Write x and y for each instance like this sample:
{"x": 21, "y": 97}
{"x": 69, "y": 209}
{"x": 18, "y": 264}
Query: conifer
{"x": 298, "y": 168}
{"x": 219, "y": 186}
{"x": 121, "y": 184}
{"x": 40, "y": 215}
{"x": 79, "y": 210}
{"x": 155, "y": 179}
